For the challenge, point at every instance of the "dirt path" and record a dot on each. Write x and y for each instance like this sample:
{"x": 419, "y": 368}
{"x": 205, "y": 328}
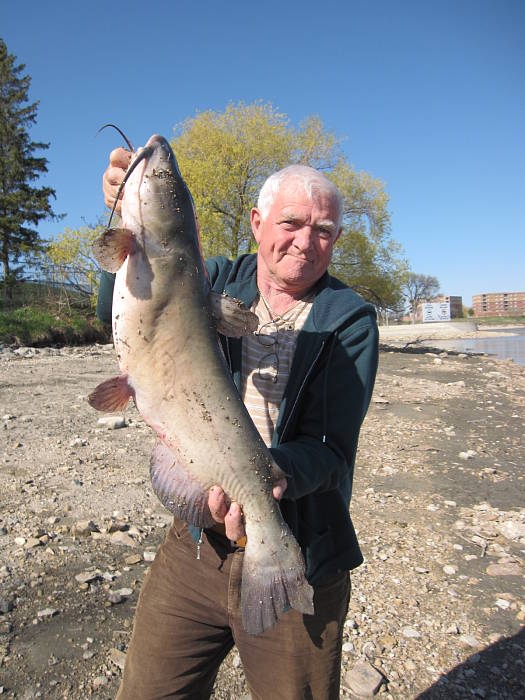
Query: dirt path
{"x": 439, "y": 501}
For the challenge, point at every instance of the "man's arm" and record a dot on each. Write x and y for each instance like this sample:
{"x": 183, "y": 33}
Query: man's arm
{"x": 335, "y": 405}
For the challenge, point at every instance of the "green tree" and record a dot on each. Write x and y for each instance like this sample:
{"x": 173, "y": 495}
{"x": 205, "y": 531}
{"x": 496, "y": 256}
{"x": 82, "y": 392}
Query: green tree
{"x": 419, "y": 288}
{"x": 22, "y": 205}
{"x": 69, "y": 261}
{"x": 225, "y": 158}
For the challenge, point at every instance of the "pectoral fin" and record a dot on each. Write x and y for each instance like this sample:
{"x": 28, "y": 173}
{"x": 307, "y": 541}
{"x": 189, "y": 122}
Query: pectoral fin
{"x": 231, "y": 316}
{"x": 113, "y": 247}
{"x": 177, "y": 490}
{"x": 111, "y": 395}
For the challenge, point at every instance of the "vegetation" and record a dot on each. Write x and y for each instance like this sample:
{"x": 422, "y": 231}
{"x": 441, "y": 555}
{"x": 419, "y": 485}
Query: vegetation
{"x": 419, "y": 288}
{"x": 22, "y": 205}
{"x": 225, "y": 158}
{"x": 31, "y": 325}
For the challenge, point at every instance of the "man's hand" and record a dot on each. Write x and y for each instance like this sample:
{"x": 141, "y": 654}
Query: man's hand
{"x": 230, "y": 513}
{"x": 119, "y": 160}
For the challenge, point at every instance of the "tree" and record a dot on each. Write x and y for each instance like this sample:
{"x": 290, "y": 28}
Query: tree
{"x": 419, "y": 288}
{"x": 22, "y": 205}
{"x": 69, "y": 261}
{"x": 225, "y": 158}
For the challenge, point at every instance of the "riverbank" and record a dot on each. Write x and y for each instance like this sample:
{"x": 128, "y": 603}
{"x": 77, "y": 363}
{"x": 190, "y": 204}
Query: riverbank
{"x": 421, "y": 333}
{"x": 437, "y": 609}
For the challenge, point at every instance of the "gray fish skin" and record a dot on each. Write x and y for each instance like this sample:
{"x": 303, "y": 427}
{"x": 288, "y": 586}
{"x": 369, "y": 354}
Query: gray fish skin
{"x": 166, "y": 342}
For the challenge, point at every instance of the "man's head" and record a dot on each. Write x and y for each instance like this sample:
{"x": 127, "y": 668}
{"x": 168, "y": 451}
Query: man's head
{"x": 296, "y": 223}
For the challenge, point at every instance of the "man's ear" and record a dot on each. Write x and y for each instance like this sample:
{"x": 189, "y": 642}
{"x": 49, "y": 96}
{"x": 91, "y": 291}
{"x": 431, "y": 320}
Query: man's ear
{"x": 256, "y": 220}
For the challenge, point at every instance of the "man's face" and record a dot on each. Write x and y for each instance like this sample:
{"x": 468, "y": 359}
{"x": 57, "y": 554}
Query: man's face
{"x": 296, "y": 238}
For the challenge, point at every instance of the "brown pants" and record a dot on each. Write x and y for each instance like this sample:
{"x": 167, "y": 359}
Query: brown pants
{"x": 188, "y": 618}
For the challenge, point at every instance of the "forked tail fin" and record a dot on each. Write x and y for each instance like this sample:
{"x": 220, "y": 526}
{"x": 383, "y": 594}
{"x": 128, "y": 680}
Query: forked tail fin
{"x": 273, "y": 582}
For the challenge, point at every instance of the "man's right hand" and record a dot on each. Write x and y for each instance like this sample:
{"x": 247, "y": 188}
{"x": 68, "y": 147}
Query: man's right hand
{"x": 119, "y": 160}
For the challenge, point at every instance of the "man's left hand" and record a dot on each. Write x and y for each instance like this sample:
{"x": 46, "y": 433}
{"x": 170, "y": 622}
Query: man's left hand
{"x": 230, "y": 513}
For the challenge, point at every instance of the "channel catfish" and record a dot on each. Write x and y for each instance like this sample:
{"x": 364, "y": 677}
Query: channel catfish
{"x": 165, "y": 322}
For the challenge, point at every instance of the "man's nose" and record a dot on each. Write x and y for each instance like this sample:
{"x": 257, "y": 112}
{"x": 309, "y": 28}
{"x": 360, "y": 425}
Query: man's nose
{"x": 303, "y": 238}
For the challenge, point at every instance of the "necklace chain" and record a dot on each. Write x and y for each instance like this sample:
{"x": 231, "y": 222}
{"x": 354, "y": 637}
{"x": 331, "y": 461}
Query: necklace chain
{"x": 288, "y": 316}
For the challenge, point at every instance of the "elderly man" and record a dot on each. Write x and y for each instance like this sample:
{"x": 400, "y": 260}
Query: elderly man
{"x": 306, "y": 377}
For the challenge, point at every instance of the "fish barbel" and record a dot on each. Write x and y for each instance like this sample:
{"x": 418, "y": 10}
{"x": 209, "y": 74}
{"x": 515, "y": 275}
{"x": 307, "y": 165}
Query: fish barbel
{"x": 165, "y": 322}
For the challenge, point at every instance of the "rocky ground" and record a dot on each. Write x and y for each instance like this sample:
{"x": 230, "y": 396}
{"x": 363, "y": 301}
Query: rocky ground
{"x": 438, "y": 608}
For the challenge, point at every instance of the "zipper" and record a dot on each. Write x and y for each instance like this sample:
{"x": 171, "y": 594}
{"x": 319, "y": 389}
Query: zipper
{"x": 303, "y": 384}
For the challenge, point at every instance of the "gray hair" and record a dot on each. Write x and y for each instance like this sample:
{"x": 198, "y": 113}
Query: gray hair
{"x": 311, "y": 179}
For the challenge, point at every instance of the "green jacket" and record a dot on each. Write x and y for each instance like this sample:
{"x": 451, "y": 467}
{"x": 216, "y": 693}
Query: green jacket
{"x": 324, "y": 404}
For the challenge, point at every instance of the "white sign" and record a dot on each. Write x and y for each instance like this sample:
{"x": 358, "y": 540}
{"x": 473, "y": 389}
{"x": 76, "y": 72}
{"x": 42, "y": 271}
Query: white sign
{"x": 439, "y": 311}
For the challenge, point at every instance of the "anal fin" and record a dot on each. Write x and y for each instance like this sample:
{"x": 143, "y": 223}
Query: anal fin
{"x": 177, "y": 490}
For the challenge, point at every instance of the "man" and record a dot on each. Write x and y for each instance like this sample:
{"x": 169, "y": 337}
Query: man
{"x": 306, "y": 378}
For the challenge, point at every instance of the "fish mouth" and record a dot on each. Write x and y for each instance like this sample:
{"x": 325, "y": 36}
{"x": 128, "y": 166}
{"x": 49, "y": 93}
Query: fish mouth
{"x": 153, "y": 145}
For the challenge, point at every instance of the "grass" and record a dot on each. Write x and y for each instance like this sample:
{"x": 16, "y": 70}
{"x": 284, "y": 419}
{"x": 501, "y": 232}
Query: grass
{"x": 35, "y": 326}
{"x": 499, "y": 320}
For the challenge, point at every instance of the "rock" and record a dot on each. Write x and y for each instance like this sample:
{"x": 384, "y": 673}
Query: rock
{"x": 99, "y": 682}
{"x": 115, "y": 598}
{"x": 112, "y": 422}
{"x": 149, "y": 556}
{"x": 133, "y": 559}
{"x": 512, "y": 529}
{"x": 508, "y": 569}
{"x": 450, "y": 570}
{"x": 469, "y": 641}
{"x": 122, "y": 538}
{"x": 47, "y": 612}
{"x": 32, "y": 542}
{"x": 469, "y": 454}
{"x": 83, "y": 528}
{"x": 410, "y": 633}
{"x": 363, "y": 680}
{"x": 347, "y": 647}
{"x": 117, "y": 657}
{"x": 87, "y": 576}
{"x": 6, "y": 606}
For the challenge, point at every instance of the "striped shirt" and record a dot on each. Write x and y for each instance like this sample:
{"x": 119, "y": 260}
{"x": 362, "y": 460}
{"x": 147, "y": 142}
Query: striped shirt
{"x": 266, "y": 361}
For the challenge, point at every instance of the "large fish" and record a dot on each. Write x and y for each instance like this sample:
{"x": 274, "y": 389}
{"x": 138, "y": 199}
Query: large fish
{"x": 165, "y": 325}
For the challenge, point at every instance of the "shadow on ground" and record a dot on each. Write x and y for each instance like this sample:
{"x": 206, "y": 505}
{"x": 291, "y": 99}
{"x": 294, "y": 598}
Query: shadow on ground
{"x": 498, "y": 671}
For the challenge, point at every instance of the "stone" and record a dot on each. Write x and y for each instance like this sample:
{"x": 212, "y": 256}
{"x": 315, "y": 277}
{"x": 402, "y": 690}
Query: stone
{"x": 83, "y": 528}
{"x": 469, "y": 640}
{"x": 6, "y": 606}
{"x": 133, "y": 559}
{"x": 449, "y": 570}
{"x": 87, "y": 576}
{"x": 508, "y": 569}
{"x": 112, "y": 422}
{"x": 117, "y": 657}
{"x": 364, "y": 680}
{"x": 47, "y": 612}
{"x": 149, "y": 556}
{"x": 410, "y": 633}
{"x": 122, "y": 538}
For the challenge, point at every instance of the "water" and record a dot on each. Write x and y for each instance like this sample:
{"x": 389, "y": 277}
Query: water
{"x": 504, "y": 347}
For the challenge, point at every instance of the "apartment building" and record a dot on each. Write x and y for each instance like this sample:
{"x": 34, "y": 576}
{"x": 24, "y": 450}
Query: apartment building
{"x": 499, "y": 304}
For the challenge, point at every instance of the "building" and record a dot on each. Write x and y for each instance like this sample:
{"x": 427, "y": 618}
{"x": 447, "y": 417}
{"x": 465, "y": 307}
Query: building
{"x": 455, "y": 303}
{"x": 499, "y": 304}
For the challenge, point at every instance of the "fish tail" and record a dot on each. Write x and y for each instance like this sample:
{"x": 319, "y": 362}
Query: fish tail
{"x": 273, "y": 581}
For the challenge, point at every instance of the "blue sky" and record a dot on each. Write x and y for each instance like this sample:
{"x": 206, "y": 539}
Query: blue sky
{"x": 429, "y": 97}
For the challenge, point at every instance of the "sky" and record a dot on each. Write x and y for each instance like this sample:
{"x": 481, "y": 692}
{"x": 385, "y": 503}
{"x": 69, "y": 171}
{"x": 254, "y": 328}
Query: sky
{"x": 427, "y": 96}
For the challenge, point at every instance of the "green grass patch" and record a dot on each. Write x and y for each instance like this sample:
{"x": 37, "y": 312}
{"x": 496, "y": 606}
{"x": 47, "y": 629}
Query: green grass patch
{"x": 499, "y": 320}
{"x": 34, "y": 326}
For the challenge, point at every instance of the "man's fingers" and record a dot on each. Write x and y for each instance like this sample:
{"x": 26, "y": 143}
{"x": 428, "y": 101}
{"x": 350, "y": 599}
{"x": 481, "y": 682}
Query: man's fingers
{"x": 233, "y": 523}
{"x": 217, "y": 504}
{"x": 279, "y": 488}
{"x": 120, "y": 158}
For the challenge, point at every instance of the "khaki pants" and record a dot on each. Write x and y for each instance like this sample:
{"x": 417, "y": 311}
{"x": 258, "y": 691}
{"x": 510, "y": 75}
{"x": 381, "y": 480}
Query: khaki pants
{"x": 188, "y": 618}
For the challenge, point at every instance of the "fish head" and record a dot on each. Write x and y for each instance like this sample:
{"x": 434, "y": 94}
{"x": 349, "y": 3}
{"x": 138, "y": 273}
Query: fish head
{"x": 157, "y": 205}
